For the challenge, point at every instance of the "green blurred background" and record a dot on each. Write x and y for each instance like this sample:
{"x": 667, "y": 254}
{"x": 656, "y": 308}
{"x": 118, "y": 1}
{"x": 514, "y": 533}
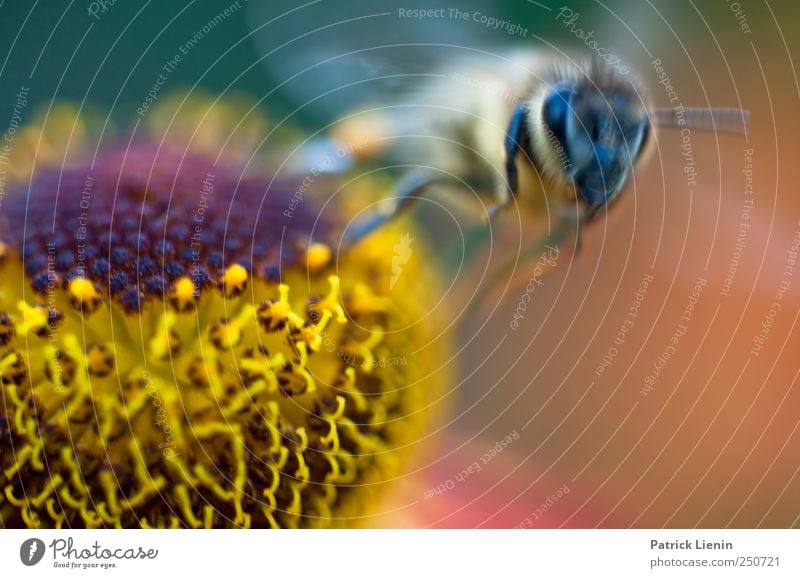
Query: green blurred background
{"x": 110, "y": 53}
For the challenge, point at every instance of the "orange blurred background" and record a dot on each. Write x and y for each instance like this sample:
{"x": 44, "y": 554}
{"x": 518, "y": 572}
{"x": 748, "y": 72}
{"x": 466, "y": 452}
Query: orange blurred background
{"x": 713, "y": 440}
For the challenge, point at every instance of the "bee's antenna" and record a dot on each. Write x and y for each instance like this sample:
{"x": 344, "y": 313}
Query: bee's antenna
{"x": 732, "y": 120}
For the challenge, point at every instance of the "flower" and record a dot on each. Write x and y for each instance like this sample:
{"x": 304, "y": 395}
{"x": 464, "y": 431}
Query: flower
{"x": 180, "y": 347}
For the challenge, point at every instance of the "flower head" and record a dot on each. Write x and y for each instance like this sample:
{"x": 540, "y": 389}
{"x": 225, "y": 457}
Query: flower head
{"x": 179, "y": 347}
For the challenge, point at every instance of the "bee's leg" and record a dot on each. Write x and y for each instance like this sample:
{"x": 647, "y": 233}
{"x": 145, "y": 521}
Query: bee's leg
{"x": 592, "y": 211}
{"x": 405, "y": 194}
{"x": 578, "y": 236}
{"x": 516, "y": 139}
{"x": 493, "y": 209}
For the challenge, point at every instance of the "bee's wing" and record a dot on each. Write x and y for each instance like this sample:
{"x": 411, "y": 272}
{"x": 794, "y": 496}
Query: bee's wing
{"x": 332, "y": 57}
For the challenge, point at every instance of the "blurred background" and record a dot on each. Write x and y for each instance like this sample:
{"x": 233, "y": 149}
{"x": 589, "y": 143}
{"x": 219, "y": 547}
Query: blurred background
{"x": 653, "y": 379}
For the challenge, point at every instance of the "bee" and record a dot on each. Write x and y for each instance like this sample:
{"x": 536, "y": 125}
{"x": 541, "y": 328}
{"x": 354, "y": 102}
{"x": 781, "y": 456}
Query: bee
{"x": 537, "y": 130}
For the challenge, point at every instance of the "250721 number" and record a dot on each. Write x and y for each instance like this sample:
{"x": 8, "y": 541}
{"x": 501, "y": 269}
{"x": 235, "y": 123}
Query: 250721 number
{"x": 747, "y": 561}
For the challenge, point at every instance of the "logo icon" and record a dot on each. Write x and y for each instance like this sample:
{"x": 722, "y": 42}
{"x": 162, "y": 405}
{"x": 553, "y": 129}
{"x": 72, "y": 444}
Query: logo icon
{"x": 402, "y": 253}
{"x": 31, "y": 552}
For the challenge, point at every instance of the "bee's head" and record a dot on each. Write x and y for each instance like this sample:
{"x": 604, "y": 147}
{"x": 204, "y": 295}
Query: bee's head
{"x": 598, "y": 125}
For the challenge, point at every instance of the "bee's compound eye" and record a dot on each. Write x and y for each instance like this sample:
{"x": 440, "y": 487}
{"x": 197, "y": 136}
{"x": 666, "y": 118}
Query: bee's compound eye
{"x": 555, "y": 112}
